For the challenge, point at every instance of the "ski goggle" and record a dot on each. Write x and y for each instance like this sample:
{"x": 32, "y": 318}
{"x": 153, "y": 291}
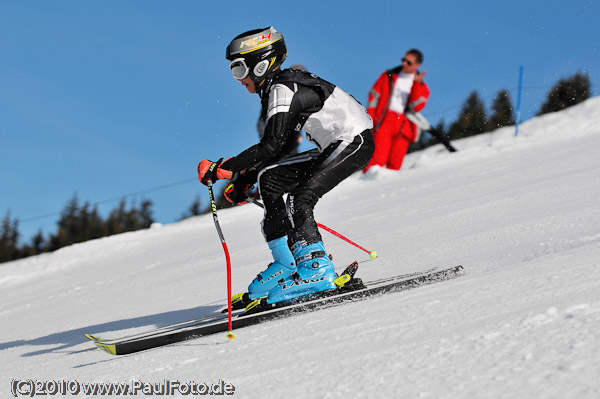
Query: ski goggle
{"x": 239, "y": 68}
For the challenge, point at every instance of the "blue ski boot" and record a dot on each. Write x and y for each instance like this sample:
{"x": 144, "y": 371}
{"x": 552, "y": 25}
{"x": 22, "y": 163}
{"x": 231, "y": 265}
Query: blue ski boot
{"x": 315, "y": 273}
{"x": 282, "y": 267}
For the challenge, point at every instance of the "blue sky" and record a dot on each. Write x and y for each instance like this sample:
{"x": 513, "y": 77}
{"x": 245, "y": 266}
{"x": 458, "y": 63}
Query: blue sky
{"x": 109, "y": 98}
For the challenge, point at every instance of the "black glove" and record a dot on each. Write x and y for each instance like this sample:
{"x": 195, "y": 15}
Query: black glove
{"x": 236, "y": 191}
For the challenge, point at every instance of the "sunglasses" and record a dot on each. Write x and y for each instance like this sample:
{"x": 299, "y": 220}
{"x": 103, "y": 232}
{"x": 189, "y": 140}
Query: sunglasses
{"x": 408, "y": 62}
{"x": 239, "y": 68}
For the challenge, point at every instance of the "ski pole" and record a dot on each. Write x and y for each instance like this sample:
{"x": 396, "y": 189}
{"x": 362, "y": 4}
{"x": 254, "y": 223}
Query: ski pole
{"x": 213, "y": 207}
{"x": 372, "y": 254}
{"x": 418, "y": 119}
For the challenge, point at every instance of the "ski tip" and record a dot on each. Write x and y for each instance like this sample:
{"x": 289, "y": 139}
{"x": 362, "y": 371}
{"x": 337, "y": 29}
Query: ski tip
{"x": 108, "y": 348}
{"x": 93, "y": 337}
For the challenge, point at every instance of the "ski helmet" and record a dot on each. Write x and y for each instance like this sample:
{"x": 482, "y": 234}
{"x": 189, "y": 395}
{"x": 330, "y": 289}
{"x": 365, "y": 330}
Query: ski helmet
{"x": 256, "y": 53}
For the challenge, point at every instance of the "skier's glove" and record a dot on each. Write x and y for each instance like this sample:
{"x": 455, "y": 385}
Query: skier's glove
{"x": 211, "y": 171}
{"x": 236, "y": 192}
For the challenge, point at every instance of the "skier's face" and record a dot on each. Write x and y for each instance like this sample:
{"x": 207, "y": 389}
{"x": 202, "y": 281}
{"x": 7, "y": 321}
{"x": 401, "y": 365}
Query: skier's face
{"x": 248, "y": 84}
{"x": 409, "y": 64}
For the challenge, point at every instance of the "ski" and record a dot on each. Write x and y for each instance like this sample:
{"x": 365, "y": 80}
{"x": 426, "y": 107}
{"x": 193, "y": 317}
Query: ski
{"x": 171, "y": 327}
{"x": 239, "y": 303}
{"x": 353, "y": 290}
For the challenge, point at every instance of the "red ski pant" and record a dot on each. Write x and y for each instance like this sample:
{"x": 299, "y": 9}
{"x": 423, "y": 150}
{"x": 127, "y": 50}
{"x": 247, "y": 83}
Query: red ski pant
{"x": 391, "y": 142}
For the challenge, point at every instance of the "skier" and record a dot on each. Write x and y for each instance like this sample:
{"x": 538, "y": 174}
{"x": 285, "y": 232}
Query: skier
{"x": 292, "y": 100}
{"x": 396, "y": 93}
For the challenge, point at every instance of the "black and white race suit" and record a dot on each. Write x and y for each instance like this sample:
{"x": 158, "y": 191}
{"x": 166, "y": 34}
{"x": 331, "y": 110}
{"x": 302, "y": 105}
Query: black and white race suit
{"x": 333, "y": 120}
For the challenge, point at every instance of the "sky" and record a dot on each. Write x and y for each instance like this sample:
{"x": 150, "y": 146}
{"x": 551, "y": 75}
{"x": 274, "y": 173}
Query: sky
{"x": 108, "y": 100}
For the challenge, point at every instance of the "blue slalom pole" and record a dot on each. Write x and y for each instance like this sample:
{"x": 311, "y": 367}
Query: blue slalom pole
{"x": 518, "y": 116}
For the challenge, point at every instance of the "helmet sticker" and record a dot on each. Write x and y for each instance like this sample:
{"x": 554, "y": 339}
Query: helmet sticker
{"x": 256, "y": 41}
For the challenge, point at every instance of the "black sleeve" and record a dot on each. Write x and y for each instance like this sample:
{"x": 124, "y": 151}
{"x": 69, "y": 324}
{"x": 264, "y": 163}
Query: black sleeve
{"x": 281, "y": 133}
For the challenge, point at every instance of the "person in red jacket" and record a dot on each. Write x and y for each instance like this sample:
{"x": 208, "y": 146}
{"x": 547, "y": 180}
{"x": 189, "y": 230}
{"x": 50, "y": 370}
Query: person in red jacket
{"x": 397, "y": 91}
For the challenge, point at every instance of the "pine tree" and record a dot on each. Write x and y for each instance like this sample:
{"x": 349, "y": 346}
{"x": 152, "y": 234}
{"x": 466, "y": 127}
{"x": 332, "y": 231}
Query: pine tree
{"x": 91, "y": 222}
{"x": 9, "y": 238}
{"x": 567, "y": 92}
{"x": 471, "y": 120}
{"x": 143, "y": 216}
{"x": 117, "y": 219}
{"x": 68, "y": 226}
{"x": 194, "y": 210}
{"x": 37, "y": 246}
{"x": 37, "y": 242}
{"x": 503, "y": 112}
{"x": 122, "y": 220}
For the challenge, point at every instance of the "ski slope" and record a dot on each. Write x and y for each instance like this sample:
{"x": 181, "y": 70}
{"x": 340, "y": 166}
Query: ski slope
{"x": 521, "y": 214}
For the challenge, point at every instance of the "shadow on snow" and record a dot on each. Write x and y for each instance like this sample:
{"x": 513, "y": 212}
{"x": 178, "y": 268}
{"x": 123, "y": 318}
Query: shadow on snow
{"x": 66, "y": 339}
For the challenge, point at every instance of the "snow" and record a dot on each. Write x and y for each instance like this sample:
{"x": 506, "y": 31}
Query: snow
{"x": 519, "y": 213}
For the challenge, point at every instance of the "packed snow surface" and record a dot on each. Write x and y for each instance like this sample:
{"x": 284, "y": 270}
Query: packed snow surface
{"x": 521, "y": 214}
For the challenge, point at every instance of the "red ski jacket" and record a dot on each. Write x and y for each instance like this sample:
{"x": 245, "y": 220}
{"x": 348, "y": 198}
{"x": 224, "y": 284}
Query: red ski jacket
{"x": 379, "y": 99}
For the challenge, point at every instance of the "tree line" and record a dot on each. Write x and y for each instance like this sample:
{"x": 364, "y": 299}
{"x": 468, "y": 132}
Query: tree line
{"x": 473, "y": 118}
{"x": 82, "y": 222}
{"x": 77, "y": 223}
